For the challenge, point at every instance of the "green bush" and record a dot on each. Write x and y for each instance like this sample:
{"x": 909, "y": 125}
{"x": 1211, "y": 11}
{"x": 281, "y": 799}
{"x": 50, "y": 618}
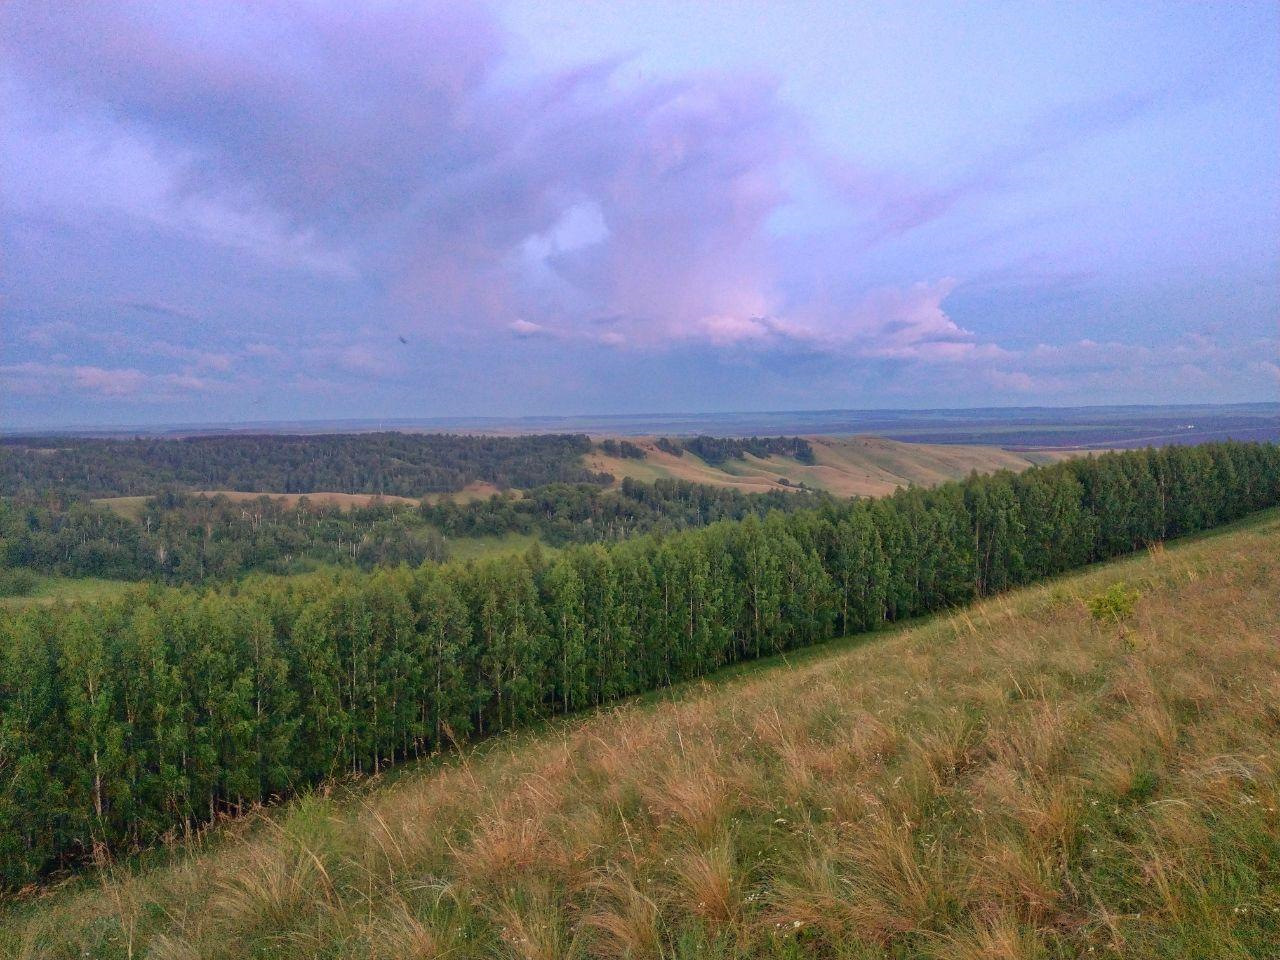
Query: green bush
{"x": 17, "y": 582}
{"x": 1115, "y": 604}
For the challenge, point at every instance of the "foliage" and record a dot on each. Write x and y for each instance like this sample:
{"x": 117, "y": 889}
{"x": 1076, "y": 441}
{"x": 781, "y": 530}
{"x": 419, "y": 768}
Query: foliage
{"x": 391, "y": 464}
{"x": 716, "y": 450}
{"x": 581, "y": 513}
{"x": 164, "y": 709}
{"x": 622, "y": 448}
{"x": 16, "y": 582}
{"x": 182, "y": 538}
{"x": 998, "y": 784}
{"x": 1115, "y": 604}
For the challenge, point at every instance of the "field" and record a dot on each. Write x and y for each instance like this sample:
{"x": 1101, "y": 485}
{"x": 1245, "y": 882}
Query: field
{"x": 846, "y": 466}
{"x": 132, "y": 507}
{"x": 474, "y": 548}
{"x": 1018, "y": 779}
{"x": 50, "y": 589}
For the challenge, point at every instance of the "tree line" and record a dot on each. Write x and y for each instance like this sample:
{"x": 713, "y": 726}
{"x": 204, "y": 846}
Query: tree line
{"x": 183, "y": 538}
{"x": 180, "y": 537}
{"x": 125, "y": 721}
{"x": 561, "y": 514}
{"x": 718, "y": 450}
{"x": 390, "y": 464}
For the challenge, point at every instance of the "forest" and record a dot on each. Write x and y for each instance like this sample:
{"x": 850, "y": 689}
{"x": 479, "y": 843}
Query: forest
{"x": 180, "y": 537}
{"x": 144, "y": 717}
{"x": 390, "y": 464}
{"x": 717, "y": 450}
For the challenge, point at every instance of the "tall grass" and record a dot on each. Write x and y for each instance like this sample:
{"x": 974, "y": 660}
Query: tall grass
{"x": 1018, "y": 780}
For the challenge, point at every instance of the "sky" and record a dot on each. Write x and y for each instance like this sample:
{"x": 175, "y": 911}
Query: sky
{"x": 291, "y": 210}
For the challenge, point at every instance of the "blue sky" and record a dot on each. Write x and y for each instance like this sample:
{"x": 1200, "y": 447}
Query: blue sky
{"x": 293, "y": 210}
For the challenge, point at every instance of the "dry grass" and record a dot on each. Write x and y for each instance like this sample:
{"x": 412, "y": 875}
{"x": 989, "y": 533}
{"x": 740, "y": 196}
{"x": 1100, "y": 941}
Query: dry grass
{"x": 845, "y": 466}
{"x": 1014, "y": 781}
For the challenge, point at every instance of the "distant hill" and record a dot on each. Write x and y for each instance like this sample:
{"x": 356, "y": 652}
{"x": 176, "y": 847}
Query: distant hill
{"x": 1091, "y": 427}
{"x": 844, "y": 466}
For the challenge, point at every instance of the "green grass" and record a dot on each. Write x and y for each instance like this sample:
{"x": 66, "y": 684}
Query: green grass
{"x": 50, "y": 589}
{"x": 1013, "y": 780}
{"x": 128, "y": 507}
{"x": 476, "y": 548}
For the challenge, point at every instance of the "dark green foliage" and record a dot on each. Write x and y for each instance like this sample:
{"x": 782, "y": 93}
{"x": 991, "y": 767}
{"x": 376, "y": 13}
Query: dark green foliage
{"x": 167, "y": 708}
{"x": 716, "y": 450}
{"x": 16, "y": 582}
{"x": 579, "y": 513}
{"x": 183, "y": 538}
{"x": 622, "y": 448}
{"x": 391, "y": 464}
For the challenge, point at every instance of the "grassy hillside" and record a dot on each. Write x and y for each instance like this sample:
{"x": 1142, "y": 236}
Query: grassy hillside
{"x": 1015, "y": 780}
{"x": 51, "y": 589}
{"x": 846, "y": 466}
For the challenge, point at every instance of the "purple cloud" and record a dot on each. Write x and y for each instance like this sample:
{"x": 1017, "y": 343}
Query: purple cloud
{"x": 365, "y": 190}
{"x": 387, "y": 133}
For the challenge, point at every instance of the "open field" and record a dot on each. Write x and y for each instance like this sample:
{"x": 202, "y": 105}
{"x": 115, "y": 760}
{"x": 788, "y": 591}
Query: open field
{"x": 1015, "y": 780}
{"x": 475, "y": 548}
{"x": 132, "y": 507}
{"x": 51, "y": 589}
{"x": 846, "y": 466}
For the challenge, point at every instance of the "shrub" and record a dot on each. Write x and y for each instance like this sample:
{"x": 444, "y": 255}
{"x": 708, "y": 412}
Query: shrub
{"x": 17, "y": 582}
{"x": 1115, "y": 604}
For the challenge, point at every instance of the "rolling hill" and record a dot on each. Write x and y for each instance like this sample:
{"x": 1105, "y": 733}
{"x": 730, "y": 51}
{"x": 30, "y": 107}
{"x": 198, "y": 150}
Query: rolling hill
{"x": 1022, "y": 778}
{"x": 845, "y": 466}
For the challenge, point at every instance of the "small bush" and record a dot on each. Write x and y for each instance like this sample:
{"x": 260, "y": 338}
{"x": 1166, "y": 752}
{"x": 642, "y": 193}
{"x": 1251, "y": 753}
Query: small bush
{"x": 17, "y": 582}
{"x": 1115, "y": 604}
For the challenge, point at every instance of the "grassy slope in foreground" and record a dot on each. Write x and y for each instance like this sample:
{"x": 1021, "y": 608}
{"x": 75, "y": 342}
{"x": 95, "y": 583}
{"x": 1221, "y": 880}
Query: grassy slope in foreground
{"x": 1014, "y": 781}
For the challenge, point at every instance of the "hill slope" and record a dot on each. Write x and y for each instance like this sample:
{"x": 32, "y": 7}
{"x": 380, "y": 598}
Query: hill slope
{"x": 1015, "y": 780}
{"x": 846, "y": 466}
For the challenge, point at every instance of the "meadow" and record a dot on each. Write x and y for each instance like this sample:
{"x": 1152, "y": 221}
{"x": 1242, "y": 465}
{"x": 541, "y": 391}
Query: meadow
{"x": 50, "y": 589}
{"x": 844, "y": 466}
{"x": 1017, "y": 779}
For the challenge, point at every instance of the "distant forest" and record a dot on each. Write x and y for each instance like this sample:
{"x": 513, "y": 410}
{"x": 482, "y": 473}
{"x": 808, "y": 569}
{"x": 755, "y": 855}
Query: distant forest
{"x": 717, "y": 450}
{"x": 387, "y": 464}
{"x": 183, "y": 538}
{"x": 132, "y": 719}
{"x": 390, "y": 464}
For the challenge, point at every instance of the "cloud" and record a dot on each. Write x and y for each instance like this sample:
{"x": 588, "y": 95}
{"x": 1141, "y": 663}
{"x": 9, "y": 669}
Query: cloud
{"x": 526, "y": 328}
{"x": 900, "y": 323}
{"x": 381, "y": 143}
{"x": 365, "y": 360}
{"x": 108, "y": 383}
{"x": 48, "y": 335}
{"x": 32, "y": 379}
{"x": 891, "y": 204}
{"x": 158, "y": 309}
{"x": 330, "y": 177}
